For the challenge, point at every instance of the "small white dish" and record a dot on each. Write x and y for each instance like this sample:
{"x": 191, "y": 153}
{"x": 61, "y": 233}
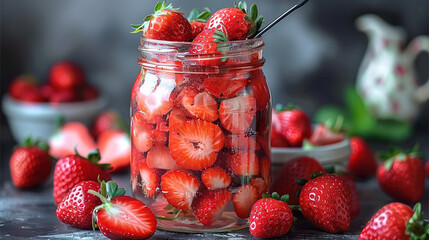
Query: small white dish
{"x": 38, "y": 120}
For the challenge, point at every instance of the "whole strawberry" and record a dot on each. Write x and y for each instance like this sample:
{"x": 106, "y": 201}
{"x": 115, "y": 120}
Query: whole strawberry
{"x": 206, "y": 44}
{"x": 270, "y": 217}
{"x": 66, "y": 76}
{"x": 297, "y": 168}
{"x": 198, "y": 19}
{"x": 326, "y": 203}
{"x": 30, "y": 164}
{"x": 355, "y": 202}
{"x": 25, "y": 88}
{"x": 396, "y": 221}
{"x": 361, "y": 162}
{"x": 293, "y": 125}
{"x": 402, "y": 175}
{"x": 122, "y": 217}
{"x": 166, "y": 23}
{"x": 237, "y": 23}
{"x": 77, "y": 206}
{"x": 73, "y": 169}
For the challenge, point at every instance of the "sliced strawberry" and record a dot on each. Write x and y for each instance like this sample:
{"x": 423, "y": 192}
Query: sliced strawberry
{"x": 150, "y": 179}
{"x": 243, "y": 163}
{"x": 236, "y": 114}
{"x": 323, "y": 136}
{"x": 242, "y": 142}
{"x": 265, "y": 169}
{"x": 70, "y": 136}
{"x": 244, "y": 199}
{"x": 226, "y": 85}
{"x": 141, "y": 132}
{"x": 260, "y": 88}
{"x": 170, "y": 70}
{"x": 153, "y": 96}
{"x": 199, "y": 104}
{"x": 126, "y": 218}
{"x": 209, "y": 205}
{"x": 176, "y": 118}
{"x": 115, "y": 148}
{"x": 179, "y": 188}
{"x": 194, "y": 145}
{"x": 137, "y": 83}
{"x": 260, "y": 185}
{"x": 160, "y": 157}
{"x": 136, "y": 158}
{"x": 215, "y": 178}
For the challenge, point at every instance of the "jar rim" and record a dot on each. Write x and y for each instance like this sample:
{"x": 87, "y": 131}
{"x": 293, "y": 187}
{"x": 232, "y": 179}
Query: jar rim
{"x": 168, "y": 43}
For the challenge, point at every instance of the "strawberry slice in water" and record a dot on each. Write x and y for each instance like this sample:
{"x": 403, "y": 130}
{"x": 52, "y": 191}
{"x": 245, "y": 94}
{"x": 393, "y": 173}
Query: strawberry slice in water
{"x": 141, "y": 132}
{"x": 236, "y": 114}
{"x": 209, "y": 205}
{"x": 260, "y": 89}
{"x": 244, "y": 163}
{"x": 150, "y": 179}
{"x": 198, "y": 103}
{"x": 241, "y": 141}
{"x": 195, "y": 144}
{"x": 215, "y": 178}
{"x": 160, "y": 157}
{"x": 226, "y": 85}
{"x": 179, "y": 188}
{"x": 244, "y": 199}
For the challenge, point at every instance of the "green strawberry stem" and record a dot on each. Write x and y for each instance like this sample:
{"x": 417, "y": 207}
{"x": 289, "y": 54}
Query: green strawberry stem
{"x": 396, "y": 154}
{"x": 251, "y": 17}
{"x": 198, "y": 15}
{"x": 93, "y": 157}
{"x": 280, "y": 108}
{"x": 416, "y": 226}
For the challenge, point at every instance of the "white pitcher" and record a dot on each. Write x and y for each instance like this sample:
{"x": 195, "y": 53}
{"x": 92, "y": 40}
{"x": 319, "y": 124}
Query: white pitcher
{"x": 386, "y": 80}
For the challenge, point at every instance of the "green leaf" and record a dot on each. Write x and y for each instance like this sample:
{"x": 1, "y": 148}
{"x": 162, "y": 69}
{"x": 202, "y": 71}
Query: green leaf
{"x": 195, "y": 12}
{"x": 242, "y": 5}
{"x": 253, "y": 12}
{"x": 301, "y": 181}
{"x": 363, "y": 123}
{"x": 285, "y": 198}
{"x": 330, "y": 169}
{"x": 94, "y": 156}
{"x": 266, "y": 195}
{"x": 298, "y": 192}
{"x": 248, "y": 19}
{"x": 306, "y": 145}
{"x": 275, "y": 195}
{"x": 158, "y": 6}
{"x": 203, "y": 16}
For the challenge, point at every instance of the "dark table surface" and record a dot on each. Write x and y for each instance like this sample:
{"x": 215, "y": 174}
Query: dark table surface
{"x": 31, "y": 213}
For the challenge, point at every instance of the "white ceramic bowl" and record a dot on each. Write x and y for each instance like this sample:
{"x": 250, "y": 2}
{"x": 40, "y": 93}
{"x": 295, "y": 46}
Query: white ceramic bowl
{"x": 328, "y": 155}
{"x": 38, "y": 120}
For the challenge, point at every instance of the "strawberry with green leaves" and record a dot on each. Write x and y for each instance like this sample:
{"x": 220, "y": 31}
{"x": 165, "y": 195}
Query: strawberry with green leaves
{"x": 30, "y": 164}
{"x": 271, "y": 216}
{"x": 122, "y": 217}
{"x": 72, "y": 169}
{"x": 166, "y": 23}
{"x": 237, "y": 21}
{"x": 402, "y": 175}
{"x": 198, "y": 19}
{"x": 326, "y": 203}
{"x": 207, "y": 47}
{"x": 396, "y": 221}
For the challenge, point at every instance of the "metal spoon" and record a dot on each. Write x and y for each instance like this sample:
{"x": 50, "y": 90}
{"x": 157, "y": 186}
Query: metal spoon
{"x": 298, "y": 5}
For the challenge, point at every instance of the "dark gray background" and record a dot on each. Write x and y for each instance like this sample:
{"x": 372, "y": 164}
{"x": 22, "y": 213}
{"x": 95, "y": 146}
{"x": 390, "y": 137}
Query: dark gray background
{"x": 311, "y": 56}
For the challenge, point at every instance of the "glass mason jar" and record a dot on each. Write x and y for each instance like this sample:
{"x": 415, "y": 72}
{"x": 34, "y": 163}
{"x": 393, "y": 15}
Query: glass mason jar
{"x": 200, "y": 129}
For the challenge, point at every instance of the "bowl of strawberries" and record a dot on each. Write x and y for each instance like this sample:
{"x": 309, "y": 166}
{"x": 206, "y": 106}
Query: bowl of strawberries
{"x": 293, "y": 135}
{"x": 32, "y": 109}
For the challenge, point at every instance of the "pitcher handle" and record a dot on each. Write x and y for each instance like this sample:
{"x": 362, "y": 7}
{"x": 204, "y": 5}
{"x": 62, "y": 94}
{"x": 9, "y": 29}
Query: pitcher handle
{"x": 417, "y": 45}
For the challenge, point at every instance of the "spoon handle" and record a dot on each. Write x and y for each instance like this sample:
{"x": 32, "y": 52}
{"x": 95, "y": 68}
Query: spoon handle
{"x": 269, "y": 26}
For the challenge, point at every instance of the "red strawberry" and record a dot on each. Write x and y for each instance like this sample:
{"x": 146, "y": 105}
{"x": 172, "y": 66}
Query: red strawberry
{"x": 150, "y": 179}
{"x": 89, "y": 93}
{"x": 242, "y": 142}
{"x": 297, "y": 168}
{"x": 194, "y": 145}
{"x": 265, "y": 169}
{"x": 107, "y": 120}
{"x": 260, "y": 89}
{"x": 136, "y": 158}
{"x": 277, "y": 140}
{"x": 160, "y": 157}
{"x": 326, "y": 203}
{"x": 63, "y": 96}
{"x": 361, "y": 162}
{"x": 270, "y": 217}
{"x": 215, "y": 178}
{"x": 47, "y": 91}
{"x": 72, "y": 169}
{"x": 166, "y": 23}
{"x": 21, "y": 86}
{"x": 244, "y": 199}
{"x": 396, "y": 221}
{"x": 323, "y": 136}
{"x": 244, "y": 163}
{"x": 123, "y": 217}
{"x": 237, "y": 121}
{"x": 198, "y": 103}
{"x": 402, "y": 175}
{"x": 77, "y": 206}
{"x": 66, "y": 76}
{"x": 205, "y": 45}
{"x": 153, "y": 97}
{"x": 141, "y": 133}
{"x": 198, "y": 20}
{"x": 226, "y": 85}
{"x": 294, "y": 126}
{"x": 237, "y": 23}
{"x": 115, "y": 149}
{"x": 179, "y": 188}
{"x": 208, "y": 206}
{"x": 260, "y": 185}
{"x": 30, "y": 164}
{"x": 69, "y": 136}
{"x": 355, "y": 207}
{"x": 427, "y": 168}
